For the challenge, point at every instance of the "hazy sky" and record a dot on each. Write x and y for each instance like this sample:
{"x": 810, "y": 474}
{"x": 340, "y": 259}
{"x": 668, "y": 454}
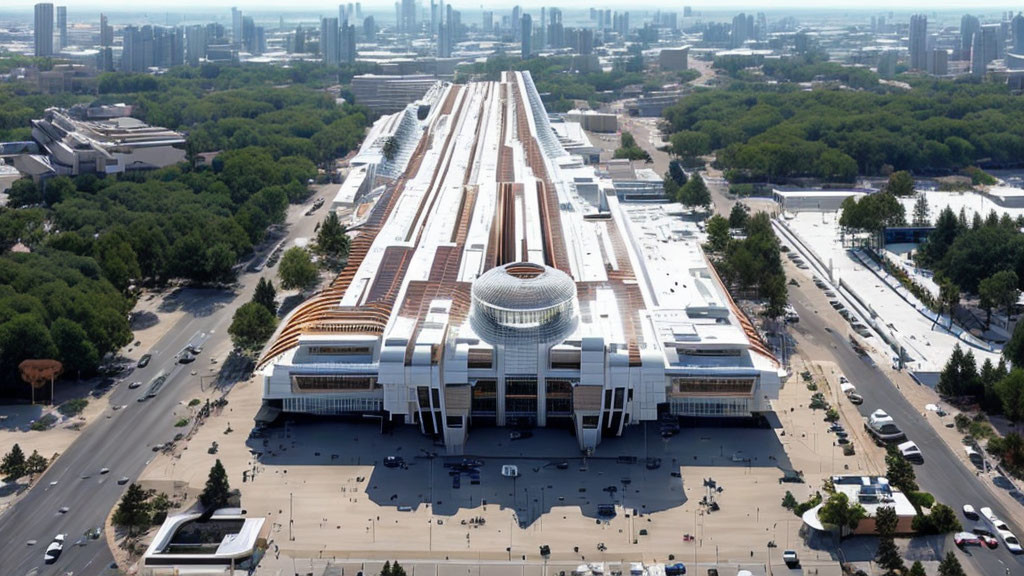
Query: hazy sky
{"x": 716, "y": 6}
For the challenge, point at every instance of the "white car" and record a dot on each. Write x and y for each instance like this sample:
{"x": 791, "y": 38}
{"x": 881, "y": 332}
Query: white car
{"x": 1010, "y": 541}
{"x": 969, "y": 512}
{"x": 54, "y": 549}
{"x": 911, "y": 452}
{"x": 510, "y": 470}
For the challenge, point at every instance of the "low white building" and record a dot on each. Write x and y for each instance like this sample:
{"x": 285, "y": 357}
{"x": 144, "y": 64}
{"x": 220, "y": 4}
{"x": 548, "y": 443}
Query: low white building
{"x": 187, "y": 544}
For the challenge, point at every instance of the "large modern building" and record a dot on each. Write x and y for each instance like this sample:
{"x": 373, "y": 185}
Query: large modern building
{"x": 497, "y": 280}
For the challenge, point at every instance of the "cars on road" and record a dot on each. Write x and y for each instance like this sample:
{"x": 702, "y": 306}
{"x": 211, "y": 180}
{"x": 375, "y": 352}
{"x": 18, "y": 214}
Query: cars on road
{"x": 134, "y": 385}
{"x": 144, "y": 361}
{"x": 393, "y": 462}
{"x": 911, "y": 452}
{"x": 122, "y": 480}
{"x": 54, "y": 549}
{"x": 856, "y": 399}
{"x": 791, "y": 558}
{"x": 677, "y": 569}
{"x": 964, "y": 539}
{"x": 969, "y": 512}
{"x": 1002, "y": 531}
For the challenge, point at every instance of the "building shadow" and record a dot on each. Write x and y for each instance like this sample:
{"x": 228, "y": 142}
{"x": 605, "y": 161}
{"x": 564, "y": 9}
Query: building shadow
{"x": 635, "y": 475}
{"x": 198, "y": 302}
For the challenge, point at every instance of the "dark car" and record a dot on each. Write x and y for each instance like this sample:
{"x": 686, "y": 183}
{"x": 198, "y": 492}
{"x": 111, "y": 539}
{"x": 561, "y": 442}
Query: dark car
{"x": 186, "y": 358}
{"x": 144, "y": 361}
{"x": 520, "y": 435}
{"x": 393, "y": 462}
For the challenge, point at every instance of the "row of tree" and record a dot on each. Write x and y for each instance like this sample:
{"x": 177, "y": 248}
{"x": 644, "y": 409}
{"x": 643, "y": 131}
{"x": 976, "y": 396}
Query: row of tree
{"x": 768, "y": 132}
{"x": 15, "y": 464}
{"x": 139, "y": 509}
{"x": 751, "y": 263}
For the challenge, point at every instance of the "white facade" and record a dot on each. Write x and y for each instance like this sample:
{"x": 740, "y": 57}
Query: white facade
{"x": 499, "y": 281}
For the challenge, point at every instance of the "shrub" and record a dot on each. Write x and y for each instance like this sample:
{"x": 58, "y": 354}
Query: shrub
{"x": 789, "y": 501}
{"x": 831, "y": 415}
{"x": 194, "y": 402}
{"x": 802, "y": 507}
{"x": 940, "y": 520}
{"x": 921, "y": 499}
{"x": 44, "y": 423}
{"x": 73, "y": 407}
{"x": 181, "y": 423}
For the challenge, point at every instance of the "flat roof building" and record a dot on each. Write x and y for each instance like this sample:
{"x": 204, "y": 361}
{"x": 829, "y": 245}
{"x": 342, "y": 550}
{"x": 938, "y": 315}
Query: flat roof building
{"x": 191, "y": 544}
{"x": 496, "y": 279}
{"x": 109, "y": 144}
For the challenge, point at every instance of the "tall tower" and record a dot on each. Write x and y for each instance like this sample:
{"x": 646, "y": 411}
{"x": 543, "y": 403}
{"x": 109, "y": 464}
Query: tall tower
{"x": 62, "y": 26}
{"x": 43, "y": 31}
{"x": 918, "y": 42}
{"x": 236, "y": 26}
{"x": 527, "y": 36}
{"x": 969, "y": 25}
{"x": 330, "y": 41}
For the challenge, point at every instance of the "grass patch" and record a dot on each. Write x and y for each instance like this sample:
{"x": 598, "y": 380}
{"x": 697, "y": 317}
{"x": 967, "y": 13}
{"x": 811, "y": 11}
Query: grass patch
{"x": 194, "y": 402}
{"x": 44, "y": 423}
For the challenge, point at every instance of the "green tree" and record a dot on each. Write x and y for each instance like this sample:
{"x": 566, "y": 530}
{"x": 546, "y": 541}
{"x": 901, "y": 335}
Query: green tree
{"x": 949, "y": 298}
{"x": 838, "y": 512}
{"x": 24, "y": 192}
{"x": 386, "y": 569}
{"x": 888, "y": 554}
{"x": 900, "y": 184}
{"x": 676, "y": 172}
{"x": 332, "y": 241}
{"x": 1013, "y": 350}
{"x": 115, "y": 255}
{"x": 950, "y": 566}
{"x": 718, "y": 233}
{"x": 14, "y": 464}
{"x": 297, "y": 270}
{"x": 899, "y": 471}
{"x": 36, "y": 464}
{"x": 922, "y": 213}
{"x": 695, "y": 194}
{"x": 390, "y": 148}
{"x": 1010, "y": 391}
{"x": 739, "y": 215}
{"x": 397, "y": 569}
{"x": 75, "y": 351}
{"x": 251, "y": 326}
{"x": 789, "y": 501}
{"x": 133, "y": 510}
{"x": 999, "y": 289}
{"x": 917, "y": 569}
{"x": 266, "y": 295}
{"x": 217, "y": 491}
{"x": 688, "y": 144}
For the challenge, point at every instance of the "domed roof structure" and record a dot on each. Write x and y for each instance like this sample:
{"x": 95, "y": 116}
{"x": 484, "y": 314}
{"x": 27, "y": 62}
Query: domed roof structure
{"x": 522, "y": 300}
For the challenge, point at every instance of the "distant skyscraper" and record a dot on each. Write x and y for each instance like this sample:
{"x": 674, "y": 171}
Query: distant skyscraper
{"x": 527, "y": 36}
{"x": 330, "y": 41}
{"x": 990, "y": 42}
{"x": 370, "y": 29}
{"x": 969, "y": 26}
{"x": 106, "y": 32}
{"x": 918, "y": 42}
{"x": 195, "y": 44}
{"x": 517, "y": 30}
{"x": 43, "y": 31}
{"x": 739, "y": 31}
{"x": 62, "y": 26}
{"x": 347, "y": 44}
{"x": 938, "y": 62}
{"x": 977, "y": 55}
{"x": 408, "y": 23}
{"x": 488, "y": 22}
{"x": 236, "y": 26}
{"x": 359, "y": 11}
{"x": 687, "y": 12}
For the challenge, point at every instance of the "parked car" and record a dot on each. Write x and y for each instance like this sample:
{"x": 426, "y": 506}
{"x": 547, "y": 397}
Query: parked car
{"x": 393, "y": 462}
{"x": 856, "y": 399}
{"x": 54, "y": 549}
{"x": 510, "y": 470}
{"x": 520, "y": 435}
{"x": 791, "y": 559}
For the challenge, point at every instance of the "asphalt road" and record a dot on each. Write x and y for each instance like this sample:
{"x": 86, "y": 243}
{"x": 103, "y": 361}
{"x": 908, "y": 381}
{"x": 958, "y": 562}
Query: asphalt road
{"x": 123, "y": 442}
{"x": 942, "y": 473}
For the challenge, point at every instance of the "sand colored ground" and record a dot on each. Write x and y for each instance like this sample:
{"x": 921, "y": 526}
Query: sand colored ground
{"x": 321, "y": 485}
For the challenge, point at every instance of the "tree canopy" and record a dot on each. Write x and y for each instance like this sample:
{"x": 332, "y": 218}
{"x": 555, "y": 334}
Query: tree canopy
{"x": 297, "y": 269}
{"x": 217, "y": 491}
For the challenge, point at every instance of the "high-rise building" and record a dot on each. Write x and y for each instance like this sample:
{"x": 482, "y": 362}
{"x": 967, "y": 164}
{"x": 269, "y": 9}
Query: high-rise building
{"x": 977, "y": 53}
{"x": 359, "y": 11}
{"x": 488, "y": 22}
{"x": 236, "y": 26}
{"x": 330, "y": 41}
{"x": 106, "y": 32}
{"x": 740, "y": 30}
{"x": 687, "y": 12}
{"x": 43, "y": 31}
{"x": 250, "y": 37}
{"x": 555, "y": 36}
{"x": 370, "y": 29}
{"x": 408, "y": 17}
{"x": 347, "y": 44}
{"x": 517, "y": 31}
{"x": 969, "y": 26}
{"x": 990, "y": 42}
{"x": 918, "y": 42}
{"x": 195, "y": 44}
{"x": 526, "y": 42}
{"x": 938, "y": 62}
{"x": 62, "y": 27}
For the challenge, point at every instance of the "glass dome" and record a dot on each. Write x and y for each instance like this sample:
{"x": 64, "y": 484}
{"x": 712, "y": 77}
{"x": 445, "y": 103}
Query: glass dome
{"x": 521, "y": 301}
